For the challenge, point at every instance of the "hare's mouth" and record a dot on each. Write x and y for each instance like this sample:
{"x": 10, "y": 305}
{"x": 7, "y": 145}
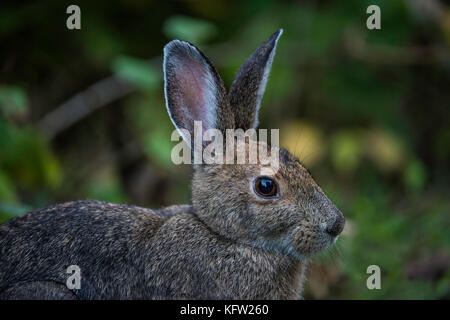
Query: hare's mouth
{"x": 330, "y": 239}
{"x": 312, "y": 243}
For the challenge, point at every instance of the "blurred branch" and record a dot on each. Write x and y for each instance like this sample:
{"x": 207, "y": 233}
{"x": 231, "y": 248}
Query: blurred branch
{"x": 356, "y": 47}
{"x": 94, "y": 97}
{"x": 83, "y": 103}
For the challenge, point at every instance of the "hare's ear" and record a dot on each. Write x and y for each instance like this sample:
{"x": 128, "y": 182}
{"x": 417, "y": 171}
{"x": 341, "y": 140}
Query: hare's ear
{"x": 193, "y": 89}
{"x": 250, "y": 82}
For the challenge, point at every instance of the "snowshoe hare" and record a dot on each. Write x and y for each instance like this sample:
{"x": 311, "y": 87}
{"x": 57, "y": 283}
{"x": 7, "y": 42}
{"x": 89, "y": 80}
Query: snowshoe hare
{"x": 248, "y": 233}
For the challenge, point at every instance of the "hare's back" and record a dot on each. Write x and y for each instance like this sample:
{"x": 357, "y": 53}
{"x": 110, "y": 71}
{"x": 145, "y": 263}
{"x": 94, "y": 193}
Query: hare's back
{"x": 106, "y": 241}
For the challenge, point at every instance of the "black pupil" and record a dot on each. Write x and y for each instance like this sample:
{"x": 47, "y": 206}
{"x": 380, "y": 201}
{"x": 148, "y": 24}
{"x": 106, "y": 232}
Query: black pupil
{"x": 266, "y": 186}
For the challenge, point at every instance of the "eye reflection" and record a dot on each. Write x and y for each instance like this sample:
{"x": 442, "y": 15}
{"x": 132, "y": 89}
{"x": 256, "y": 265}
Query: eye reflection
{"x": 266, "y": 187}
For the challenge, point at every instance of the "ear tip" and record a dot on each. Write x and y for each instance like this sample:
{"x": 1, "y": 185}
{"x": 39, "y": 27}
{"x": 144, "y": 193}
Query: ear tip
{"x": 178, "y": 45}
{"x": 272, "y": 41}
{"x": 277, "y": 34}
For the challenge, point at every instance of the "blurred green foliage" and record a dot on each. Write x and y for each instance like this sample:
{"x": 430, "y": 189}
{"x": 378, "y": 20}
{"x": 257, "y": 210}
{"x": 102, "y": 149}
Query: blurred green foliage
{"x": 137, "y": 72}
{"x": 189, "y": 29}
{"x": 366, "y": 111}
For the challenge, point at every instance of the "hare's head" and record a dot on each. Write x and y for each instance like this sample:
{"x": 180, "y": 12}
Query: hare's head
{"x": 277, "y": 208}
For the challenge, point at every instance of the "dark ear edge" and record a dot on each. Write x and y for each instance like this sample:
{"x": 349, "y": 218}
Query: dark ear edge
{"x": 248, "y": 87}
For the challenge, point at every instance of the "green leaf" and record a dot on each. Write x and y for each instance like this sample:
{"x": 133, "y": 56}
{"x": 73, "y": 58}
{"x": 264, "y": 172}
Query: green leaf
{"x": 7, "y": 188}
{"x": 13, "y": 100}
{"x": 27, "y": 158}
{"x": 414, "y": 176}
{"x": 105, "y": 185}
{"x": 13, "y": 209}
{"x": 157, "y": 145}
{"x": 189, "y": 29}
{"x": 346, "y": 150}
{"x": 137, "y": 71}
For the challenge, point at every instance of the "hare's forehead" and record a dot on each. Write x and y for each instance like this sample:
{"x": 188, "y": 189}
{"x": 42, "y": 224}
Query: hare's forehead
{"x": 275, "y": 160}
{"x": 286, "y": 167}
{"x": 251, "y": 143}
{"x": 291, "y": 168}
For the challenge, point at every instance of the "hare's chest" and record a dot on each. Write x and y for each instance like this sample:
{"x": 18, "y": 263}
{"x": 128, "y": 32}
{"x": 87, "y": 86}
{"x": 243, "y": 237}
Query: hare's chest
{"x": 189, "y": 262}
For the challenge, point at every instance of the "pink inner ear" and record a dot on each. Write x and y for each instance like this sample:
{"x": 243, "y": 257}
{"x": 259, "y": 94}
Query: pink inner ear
{"x": 196, "y": 92}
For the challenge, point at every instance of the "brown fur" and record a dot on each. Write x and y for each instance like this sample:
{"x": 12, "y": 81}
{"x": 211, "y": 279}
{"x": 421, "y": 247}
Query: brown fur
{"x": 230, "y": 243}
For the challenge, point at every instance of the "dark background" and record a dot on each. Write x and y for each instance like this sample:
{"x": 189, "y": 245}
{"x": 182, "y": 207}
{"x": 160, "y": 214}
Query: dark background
{"x": 82, "y": 116}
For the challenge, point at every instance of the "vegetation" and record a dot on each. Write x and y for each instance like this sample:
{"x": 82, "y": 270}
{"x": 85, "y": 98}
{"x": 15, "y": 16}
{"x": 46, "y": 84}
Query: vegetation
{"x": 82, "y": 116}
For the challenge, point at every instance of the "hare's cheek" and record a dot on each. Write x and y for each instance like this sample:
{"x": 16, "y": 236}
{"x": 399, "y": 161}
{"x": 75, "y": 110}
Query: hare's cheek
{"x": 303, "y": 239}
{"x": 309, "y": 240}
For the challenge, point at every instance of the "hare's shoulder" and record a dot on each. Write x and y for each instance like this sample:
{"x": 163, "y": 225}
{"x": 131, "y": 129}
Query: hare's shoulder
{"x": 39, "y": 245}
{"x": 87, "y": 217}
{"x": 168, "y": 212}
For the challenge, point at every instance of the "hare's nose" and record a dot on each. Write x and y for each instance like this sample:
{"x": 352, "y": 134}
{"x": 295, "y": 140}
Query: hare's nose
{"x": 336, "y": 228}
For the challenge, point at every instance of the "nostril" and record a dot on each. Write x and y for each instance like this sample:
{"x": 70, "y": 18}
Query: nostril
{"x": 336, "y": 228}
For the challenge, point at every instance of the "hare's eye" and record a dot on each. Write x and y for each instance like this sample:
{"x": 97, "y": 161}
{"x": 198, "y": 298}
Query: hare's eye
{"x": 266, "y": 187}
